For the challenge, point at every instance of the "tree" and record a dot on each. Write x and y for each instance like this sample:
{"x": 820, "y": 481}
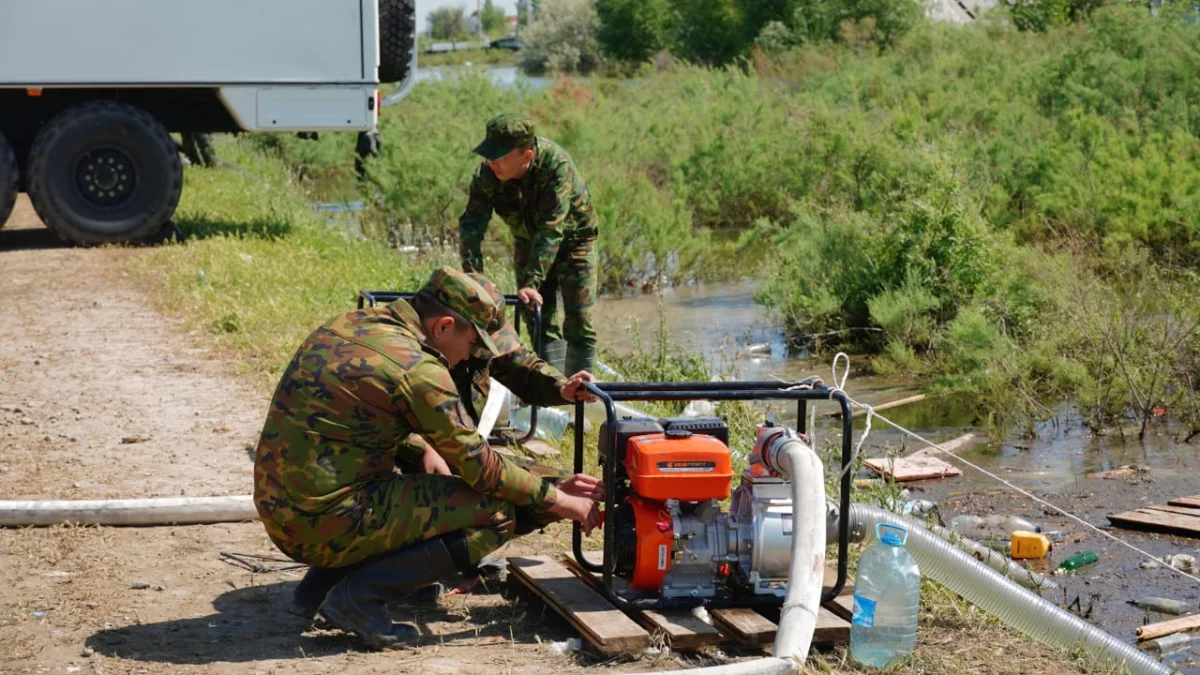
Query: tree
{"x": 446, "y": 23}
{"x": 562, "y": 37}
{"x": 632, "y": 30}
{"x": 823, "y": 20}
{"x": 1042, "y": 15}
{"x": 491, "y": 17}
{"x": 708, "y": 31}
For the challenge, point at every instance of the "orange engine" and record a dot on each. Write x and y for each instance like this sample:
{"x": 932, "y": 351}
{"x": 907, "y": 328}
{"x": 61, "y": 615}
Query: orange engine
{"x": 679, "y": 465}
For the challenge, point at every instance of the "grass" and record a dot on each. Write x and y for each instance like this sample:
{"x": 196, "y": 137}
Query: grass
{"x": 259, "y": 269}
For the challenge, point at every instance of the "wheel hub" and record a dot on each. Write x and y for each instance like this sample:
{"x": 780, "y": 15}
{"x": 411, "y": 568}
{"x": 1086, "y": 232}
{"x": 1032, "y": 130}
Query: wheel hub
{"x": 106, "y": 177}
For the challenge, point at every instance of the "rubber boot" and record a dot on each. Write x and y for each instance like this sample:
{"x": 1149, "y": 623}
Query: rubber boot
{"x": 555, "y": 353}
{"x": 580, "y": 358}
{"x": 358, "y": 603}
{"x": 313, "y": 588}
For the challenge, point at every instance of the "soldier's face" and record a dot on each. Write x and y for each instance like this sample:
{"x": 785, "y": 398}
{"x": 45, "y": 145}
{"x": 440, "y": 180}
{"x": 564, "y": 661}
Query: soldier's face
{"x": 454, "y": 344}
{"x": 513, "y": 165}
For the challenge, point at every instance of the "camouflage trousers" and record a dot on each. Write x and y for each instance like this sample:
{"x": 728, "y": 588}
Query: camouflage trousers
{"x": 392, "y": 513}
{"x": 198, "y": 149}
{"x": 574, "y": 273}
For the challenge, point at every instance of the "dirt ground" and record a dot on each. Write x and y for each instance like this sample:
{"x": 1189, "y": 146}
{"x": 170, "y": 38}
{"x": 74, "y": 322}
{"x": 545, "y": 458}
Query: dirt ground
{"x": 102, "y": 397}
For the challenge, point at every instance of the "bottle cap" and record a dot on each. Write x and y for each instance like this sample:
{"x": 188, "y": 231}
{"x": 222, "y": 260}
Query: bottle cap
{"x": 892, "y": 535}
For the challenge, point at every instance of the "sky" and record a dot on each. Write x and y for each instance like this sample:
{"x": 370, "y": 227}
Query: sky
{"x": 426, "y": 6}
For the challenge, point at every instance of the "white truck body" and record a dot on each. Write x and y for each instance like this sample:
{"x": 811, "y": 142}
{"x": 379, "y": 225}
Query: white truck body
{"x": 91, "y": 91}
{"x": 279, "y": 65}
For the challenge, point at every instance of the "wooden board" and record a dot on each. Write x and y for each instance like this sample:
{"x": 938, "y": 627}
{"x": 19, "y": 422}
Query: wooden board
{"x": 831, "y": 628}
{"x": 902, "y": 469}
{"x": 1179, "y": 510}
{"x": 1159, "y": 521}
{"x": 680, "y": 628}
{"x": 952, "y": 446}
{"x": 745, "y": 625}
{"x": 1193, "y": 502}
{"x": 539, "y": 449}
{"x": 604, "y": 627}
{"x": 855, "y": 412}
{"x": 842, "y": 605}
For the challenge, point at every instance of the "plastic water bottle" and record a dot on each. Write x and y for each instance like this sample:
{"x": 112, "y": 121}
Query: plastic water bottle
{"x": 998, "y": 527}
{"x": 887, "y": 592}
{"x": 551, "y": 422}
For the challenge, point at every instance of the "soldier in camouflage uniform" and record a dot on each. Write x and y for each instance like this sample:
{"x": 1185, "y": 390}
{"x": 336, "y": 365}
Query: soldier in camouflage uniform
{"x": 326, "y": 482}
{"x": 535, "y": 188}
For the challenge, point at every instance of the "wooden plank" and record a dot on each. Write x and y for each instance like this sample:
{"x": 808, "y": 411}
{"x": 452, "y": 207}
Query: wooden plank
{"x": 842, "y": 605}
{"x": 539, "y": 449}
{"x": 745, "y": 625}
{"x": 831, "y": 629}
{"x": 1158, "y": 521}
{"x": 903, "y": 469}
{"x": 855, "y": 412}
{"x": 1193, "y": 502}
{"x": 952, "y": 447}
{"x": 604, "y": 627}
{"x": 682, "y": 629}
{"x": 1180, "y": 510}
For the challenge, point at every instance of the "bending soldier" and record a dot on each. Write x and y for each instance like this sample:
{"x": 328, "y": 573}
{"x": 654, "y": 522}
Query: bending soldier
{"x": 535, "y": 188}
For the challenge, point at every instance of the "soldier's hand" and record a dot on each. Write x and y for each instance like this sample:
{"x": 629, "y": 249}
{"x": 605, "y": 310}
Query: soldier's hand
{"x": 529, "y": 297}
{"x": 583, "y": 485}
{"x": 579, "y": 509}
{"x": 574, "y": 390}
{"x": 432, "y": 462}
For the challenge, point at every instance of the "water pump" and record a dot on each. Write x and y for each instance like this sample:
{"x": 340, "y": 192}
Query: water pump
{"x": 678, "y": 533}
{"x": 673, "y": 539}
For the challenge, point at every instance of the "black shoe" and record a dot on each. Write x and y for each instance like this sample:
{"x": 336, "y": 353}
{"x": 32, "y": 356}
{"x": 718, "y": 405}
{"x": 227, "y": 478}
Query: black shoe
{"x": 358, "y": 603}
{"x": 311, "y": 590}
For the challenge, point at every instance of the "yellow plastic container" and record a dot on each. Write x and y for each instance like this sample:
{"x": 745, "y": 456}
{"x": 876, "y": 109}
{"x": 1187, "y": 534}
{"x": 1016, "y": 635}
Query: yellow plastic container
{"x": 1030, "y": 545}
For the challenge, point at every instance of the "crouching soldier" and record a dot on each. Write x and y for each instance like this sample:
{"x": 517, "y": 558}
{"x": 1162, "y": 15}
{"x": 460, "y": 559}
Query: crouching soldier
{"x": 342, "y": 419}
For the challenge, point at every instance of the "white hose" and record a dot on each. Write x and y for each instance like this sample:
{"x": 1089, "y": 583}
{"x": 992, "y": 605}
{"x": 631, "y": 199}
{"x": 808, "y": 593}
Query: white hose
{"x": 164, "y": 511}
{"x": 798, "y": 619}
{"x": 982, "y": 586}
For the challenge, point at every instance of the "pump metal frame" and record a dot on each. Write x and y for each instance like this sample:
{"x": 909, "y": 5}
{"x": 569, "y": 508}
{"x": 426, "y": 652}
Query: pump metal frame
{"x": 373, "y": 298}
{"x": 802, "y": 392}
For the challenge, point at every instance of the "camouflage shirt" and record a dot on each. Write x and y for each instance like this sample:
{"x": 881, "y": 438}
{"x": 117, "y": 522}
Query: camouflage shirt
{"x": 549, "y": 204}
{"x": 356, "y": 388}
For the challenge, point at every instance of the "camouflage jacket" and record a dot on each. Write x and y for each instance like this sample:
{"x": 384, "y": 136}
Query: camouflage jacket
{"x": 353, "y": 392}
{"x": 550, "y": 204}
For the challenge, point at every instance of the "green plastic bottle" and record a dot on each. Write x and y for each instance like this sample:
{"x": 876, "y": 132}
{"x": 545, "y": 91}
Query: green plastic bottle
{"x": 1078, "y": 560}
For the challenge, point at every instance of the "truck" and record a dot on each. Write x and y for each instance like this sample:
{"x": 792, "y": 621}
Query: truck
{"x": 91, "y": 91}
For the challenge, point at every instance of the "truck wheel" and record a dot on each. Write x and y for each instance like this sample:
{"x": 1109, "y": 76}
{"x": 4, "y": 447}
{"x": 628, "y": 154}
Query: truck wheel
{"x": 104, "y": 171}
{"x": 9, "y": 175}
{"x": 397, "y": 38}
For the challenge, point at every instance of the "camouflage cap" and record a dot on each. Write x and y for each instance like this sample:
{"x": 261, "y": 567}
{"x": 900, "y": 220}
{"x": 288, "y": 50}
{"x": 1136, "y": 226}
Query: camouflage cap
{"x": 470, "y": 299}
{"x": 504, "y": 336}
{"x": 505, "y": 133}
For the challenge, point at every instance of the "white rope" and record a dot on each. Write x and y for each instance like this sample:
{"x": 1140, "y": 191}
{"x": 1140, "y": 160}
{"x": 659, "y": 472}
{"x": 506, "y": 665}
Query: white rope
{"x": 839, "y": 387}
{"x": 951, "y": 455}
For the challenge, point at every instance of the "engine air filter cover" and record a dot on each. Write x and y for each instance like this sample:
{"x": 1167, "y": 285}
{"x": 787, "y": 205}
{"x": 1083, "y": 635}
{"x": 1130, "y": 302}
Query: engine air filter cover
{"x": 679, "y": 465}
